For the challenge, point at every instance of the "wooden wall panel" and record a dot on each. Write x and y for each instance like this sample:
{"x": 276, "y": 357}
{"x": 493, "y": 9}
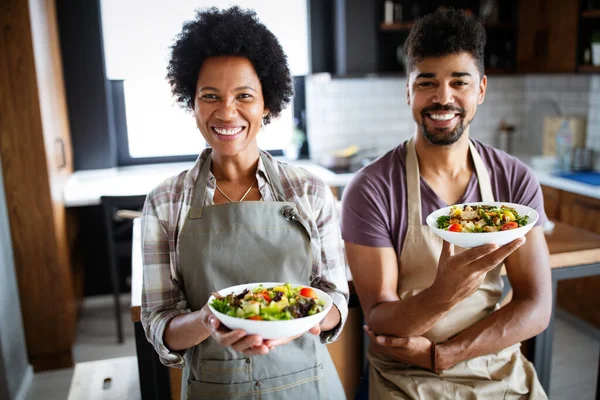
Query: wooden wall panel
{"x": 33, "y": 115}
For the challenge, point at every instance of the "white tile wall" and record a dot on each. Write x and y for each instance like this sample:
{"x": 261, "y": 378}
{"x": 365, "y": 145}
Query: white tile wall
{"x": 372, "y": 112}
{"x": 593, "y": 132}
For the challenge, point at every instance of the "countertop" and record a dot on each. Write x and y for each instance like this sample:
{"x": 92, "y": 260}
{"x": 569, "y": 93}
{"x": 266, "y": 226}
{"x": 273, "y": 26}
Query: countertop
{"x": 84, "y": 188}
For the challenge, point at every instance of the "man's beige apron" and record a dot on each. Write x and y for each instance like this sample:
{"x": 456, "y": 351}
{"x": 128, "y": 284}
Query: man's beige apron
{"x": 235, "y": 243}
{"x": 504, "y": 375}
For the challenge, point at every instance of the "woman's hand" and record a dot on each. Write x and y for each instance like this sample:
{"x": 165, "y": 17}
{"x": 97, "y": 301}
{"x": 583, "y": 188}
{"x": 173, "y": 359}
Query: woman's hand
{"x": 272, "y": 343}
{"x": 329, "y": 322}
{"x": 237, "y": 339}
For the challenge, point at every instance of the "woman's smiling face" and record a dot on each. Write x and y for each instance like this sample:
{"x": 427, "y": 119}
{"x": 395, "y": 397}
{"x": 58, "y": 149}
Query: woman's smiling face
{"x": 229, "y": 105}
{"x": 443, "y": 93}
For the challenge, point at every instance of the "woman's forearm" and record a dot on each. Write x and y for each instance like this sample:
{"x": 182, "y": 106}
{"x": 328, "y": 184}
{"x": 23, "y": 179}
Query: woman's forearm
{"x": 331, "y": 320}
{"x": 185, "y": 331}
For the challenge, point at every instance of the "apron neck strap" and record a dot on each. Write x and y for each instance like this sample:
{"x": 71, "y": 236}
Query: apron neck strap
{"x": 483, "y": 177}
{"x": 413, "y": 181}
{"x": 200, "y": 190}
{"x": 413, "y": 184}
{"x": 200, "y": 185}
{"x": 274, "y": 180}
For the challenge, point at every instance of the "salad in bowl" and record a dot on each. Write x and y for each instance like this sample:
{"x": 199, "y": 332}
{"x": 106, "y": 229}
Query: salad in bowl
{"x": 272, "y": 310}
{"x": 475, "y": 224}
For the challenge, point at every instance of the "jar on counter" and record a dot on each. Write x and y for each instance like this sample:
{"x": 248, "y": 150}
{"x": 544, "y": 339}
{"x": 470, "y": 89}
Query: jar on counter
{"x": 505, "y": 137}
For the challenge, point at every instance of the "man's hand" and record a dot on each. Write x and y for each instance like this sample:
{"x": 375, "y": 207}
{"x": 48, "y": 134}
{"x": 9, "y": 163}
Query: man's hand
{"x": 459, "y": 276}
{"x": 414, "y": 350}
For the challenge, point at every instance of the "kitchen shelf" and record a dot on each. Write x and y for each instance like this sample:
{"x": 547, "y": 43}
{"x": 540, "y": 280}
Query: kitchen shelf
{"x": 499, "y": 26}
{"x": 499, "y": 71}
{"x": 397, "y": 26}
{"x": 591, "y": 14}
{"x": 589, "y": 68}
{"x": 406, "y": 26}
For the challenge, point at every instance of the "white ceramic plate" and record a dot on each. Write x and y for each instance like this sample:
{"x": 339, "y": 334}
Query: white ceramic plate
{"x": 469, "y": 240}
{"x": 271, "y": 329}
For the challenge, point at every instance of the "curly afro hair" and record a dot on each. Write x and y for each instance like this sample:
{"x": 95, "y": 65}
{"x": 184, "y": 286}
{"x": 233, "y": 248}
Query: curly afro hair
{"x": 230, "y": 32}
{"x": 445, "y": 32}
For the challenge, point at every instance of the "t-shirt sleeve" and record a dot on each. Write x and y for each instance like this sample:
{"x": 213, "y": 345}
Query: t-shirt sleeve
{"x": 529, "y": 192}
{"x": 365, "y": 218}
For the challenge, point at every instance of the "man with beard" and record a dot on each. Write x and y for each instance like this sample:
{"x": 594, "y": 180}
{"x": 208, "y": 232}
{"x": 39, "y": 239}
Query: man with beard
{"x": 436, "y": 329}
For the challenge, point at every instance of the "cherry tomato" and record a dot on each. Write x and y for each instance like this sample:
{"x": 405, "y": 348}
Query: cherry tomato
{"x": 265, "y": 295}
{"x": 509, "y": 225}
{"x": 455, "y": 228}
{"x": 308, "y": 293}
{"x": 256, "y": 318}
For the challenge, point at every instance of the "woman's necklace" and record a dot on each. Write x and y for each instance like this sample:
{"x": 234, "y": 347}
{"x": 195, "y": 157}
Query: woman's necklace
{"x": 243, "y": 197}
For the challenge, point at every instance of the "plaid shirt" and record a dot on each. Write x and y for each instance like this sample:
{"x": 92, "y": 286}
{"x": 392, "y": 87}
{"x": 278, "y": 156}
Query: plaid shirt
{"x": 165, "y": 211}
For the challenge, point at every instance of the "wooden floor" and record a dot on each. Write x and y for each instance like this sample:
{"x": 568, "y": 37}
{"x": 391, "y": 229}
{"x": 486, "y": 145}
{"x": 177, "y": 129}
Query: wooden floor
{"x": 574, "y": 362}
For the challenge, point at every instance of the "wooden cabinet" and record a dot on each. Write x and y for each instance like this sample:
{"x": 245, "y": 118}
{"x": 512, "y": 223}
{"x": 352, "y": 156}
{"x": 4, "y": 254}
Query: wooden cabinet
{"x": 36, "y": 161}
{"x": 577, "y": 296}
{"x": 547, "y": 40}
{"x": 551, "y": 202}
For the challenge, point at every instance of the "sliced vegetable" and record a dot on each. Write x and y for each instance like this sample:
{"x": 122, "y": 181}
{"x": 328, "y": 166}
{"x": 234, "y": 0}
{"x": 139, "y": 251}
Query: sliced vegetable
{"x": 455, "y": 228}
{"x": 509, "y": 225}
{"x": 308, "y": 292}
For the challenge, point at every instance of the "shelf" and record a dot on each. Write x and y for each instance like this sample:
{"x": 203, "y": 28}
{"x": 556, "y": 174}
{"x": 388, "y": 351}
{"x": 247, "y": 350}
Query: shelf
{"x": 499, "y": 26}
{"x": 591, "y": 14}
{"x": 397, "y": 26}
{"x": 589, "y": 68}
{"x": 499, "y": 71}
{"x": 406, "y": 26}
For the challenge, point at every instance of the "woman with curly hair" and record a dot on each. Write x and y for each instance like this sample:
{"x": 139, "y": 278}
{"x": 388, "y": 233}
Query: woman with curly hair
{"x": 238, "y": 216}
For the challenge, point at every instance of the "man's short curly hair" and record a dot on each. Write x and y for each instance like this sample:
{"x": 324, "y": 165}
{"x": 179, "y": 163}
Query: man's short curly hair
{"x": 230, "y": 32}
{"x": 445, "y": 32}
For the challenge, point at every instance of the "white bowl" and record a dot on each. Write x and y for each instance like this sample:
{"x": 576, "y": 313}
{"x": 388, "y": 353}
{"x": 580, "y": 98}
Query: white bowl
{"x": 271, "y": 329}
{"x": 468, "y": 239}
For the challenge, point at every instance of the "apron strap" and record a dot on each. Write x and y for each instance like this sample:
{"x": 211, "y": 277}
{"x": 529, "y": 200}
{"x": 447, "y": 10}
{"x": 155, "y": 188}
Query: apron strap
{"x": 273, "y": 178}
{"x": 413, "y": 184}
{"x": 200, "y": 185}
{"x": 200, "y": 190}
{"x": 413, "y": 181}
{"x": 483, "y": 177}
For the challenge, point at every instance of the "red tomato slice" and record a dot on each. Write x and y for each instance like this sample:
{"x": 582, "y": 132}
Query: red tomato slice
{"x": 455, "y": 228}
{"x": 308, "y": 293}
{"x": 509, "y": 225}
{"x": 265, "y": 295}
{"x": 256, "y": 318}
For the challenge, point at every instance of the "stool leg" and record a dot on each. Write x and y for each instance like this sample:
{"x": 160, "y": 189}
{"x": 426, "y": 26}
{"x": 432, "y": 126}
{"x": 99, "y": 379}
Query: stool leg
{"x": 114, "y": 272}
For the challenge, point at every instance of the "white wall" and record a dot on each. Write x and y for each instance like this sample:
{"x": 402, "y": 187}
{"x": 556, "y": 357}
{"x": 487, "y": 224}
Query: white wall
{"x": 372, "y": 112}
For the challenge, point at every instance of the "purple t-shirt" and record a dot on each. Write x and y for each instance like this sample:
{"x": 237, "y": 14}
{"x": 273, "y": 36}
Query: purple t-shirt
{"x": 374, "y": 205}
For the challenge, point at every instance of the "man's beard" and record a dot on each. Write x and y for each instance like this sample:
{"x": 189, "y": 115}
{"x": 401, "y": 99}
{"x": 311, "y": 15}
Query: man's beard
{"x": 444, "y": 139}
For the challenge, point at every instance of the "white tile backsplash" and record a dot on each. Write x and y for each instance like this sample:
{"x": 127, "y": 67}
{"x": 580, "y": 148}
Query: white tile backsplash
{"x": 372, "y": 112}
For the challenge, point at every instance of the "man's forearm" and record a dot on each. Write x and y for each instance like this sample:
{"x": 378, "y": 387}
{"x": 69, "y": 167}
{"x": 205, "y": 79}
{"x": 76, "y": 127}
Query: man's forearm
{"x": 517, "y": 321}
{"x": 412, "y": 316}
{"x": 184, "y": 331}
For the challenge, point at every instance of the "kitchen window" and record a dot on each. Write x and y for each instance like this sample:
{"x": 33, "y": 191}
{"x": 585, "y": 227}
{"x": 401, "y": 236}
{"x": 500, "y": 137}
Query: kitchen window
{"x": 136, "y": 46}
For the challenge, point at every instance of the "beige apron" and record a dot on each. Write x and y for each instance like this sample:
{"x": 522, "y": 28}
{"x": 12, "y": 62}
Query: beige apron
{"x": 504, "y": 375}
{"x": 235, "y": 243}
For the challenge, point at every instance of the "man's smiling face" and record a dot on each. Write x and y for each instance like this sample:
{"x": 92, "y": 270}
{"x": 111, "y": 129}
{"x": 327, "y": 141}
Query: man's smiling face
{"x": 443, "y": 93}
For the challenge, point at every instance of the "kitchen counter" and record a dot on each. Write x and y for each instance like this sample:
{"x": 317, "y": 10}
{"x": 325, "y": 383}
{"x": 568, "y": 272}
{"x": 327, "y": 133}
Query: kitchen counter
{"x": 85, "y": 188}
